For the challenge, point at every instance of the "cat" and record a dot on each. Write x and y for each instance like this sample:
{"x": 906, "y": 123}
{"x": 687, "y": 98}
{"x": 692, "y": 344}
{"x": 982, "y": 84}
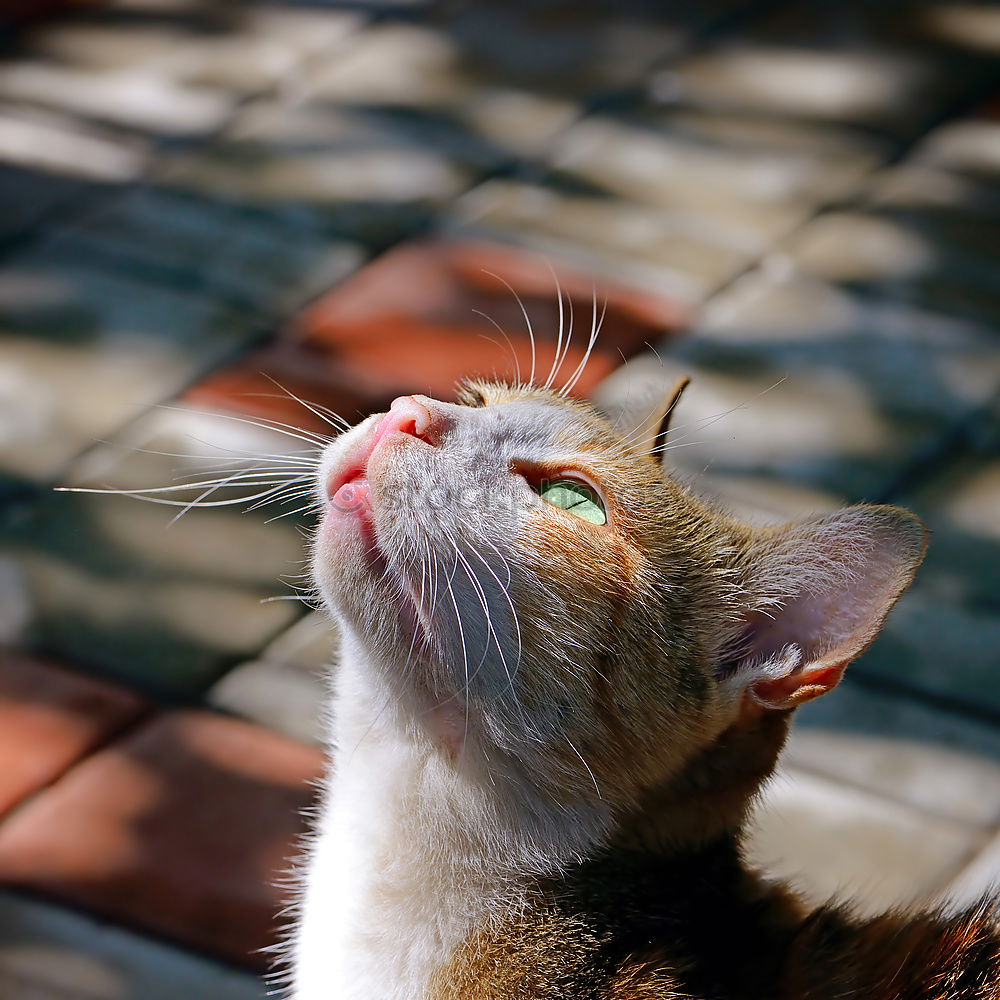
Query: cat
{"x": 563, "y": 680}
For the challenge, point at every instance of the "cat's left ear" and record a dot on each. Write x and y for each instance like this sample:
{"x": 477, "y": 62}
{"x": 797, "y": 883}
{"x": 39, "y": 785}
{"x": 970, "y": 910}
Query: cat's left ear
{"x": 643, "y": 417}
{"x": 819, "y": 593}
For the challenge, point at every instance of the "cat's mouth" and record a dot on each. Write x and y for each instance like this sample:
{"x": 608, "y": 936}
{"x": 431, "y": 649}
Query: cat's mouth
{"x": 352, "y": 510}
{"x": 348, "y": 488}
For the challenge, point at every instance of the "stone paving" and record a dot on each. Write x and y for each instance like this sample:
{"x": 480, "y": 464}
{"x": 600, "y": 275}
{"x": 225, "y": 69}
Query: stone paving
{"x": 798, "y": 204}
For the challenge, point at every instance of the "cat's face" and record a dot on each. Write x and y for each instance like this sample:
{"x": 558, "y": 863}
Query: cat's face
{"x": 464, "y": 545}
{"x": 537, "y": 598}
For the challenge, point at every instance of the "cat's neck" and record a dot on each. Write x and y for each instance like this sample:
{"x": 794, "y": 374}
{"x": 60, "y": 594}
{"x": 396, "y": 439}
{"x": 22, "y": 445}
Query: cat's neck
{"x": 414, "y": 850}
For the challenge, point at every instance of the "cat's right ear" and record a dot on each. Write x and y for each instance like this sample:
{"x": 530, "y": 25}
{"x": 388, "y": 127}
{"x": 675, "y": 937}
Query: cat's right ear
{"x": 818, "y": 594}
{"x": 643, "y": 416}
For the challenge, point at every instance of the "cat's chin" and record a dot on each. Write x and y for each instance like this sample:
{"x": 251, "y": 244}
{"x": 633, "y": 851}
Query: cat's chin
{"x": 357, "y": 582}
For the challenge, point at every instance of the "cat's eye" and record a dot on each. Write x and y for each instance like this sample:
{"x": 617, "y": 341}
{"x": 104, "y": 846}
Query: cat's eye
{"x": 577, "y": 498}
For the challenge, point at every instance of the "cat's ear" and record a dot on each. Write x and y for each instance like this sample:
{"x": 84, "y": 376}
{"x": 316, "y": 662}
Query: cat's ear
{"x": 819, "y": 593}
{"x": 643, "y": 415}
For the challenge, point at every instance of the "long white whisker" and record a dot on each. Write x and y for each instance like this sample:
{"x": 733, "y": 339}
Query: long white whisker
{"x": 586, "y": 765}
{"x": 292, "y": 491}
{"x": 527, "y": 320}
{"x": 292, "y": 513}
{"x": 595, "y": 330}
{"x": 506, "y": 594}
{"x": 556, "y": 360}
{"x": 309, "y": 437}
{"x": 309, "y": 406}
{"x": 326, "y": 414}
{"x": 477, "y": 586}
{"x": 202, "y": 501}
{"x": 176, "y": 488}
{"x": 465, "y": 649}
{"x": 295, "y": 457}
{"x": 503, "y": 333}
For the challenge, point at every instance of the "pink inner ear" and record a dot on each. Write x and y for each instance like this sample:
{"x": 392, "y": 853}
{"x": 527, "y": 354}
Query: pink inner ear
{"x": 833, "y": 582}
{"x": 801, "y": 622}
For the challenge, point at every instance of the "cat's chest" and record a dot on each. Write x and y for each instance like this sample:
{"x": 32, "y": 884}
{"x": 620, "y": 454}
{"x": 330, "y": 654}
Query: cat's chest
{"x": 386, "y": 904}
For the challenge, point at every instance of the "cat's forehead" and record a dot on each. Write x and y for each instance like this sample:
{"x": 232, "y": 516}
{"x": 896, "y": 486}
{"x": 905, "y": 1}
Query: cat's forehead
{"x": 534, "y": 418}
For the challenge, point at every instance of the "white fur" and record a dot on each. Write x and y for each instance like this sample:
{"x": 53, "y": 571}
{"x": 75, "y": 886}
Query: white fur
{"x": 411, "y": 853}
{"x": 374, "y": 922}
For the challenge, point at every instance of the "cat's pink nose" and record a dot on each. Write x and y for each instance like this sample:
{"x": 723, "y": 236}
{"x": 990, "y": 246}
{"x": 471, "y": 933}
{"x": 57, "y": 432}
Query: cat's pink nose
{"x": 408, "y": 415}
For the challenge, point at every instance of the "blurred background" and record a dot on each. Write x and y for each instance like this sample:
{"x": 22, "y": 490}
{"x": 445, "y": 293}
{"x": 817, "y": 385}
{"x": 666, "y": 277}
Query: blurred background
{"x": 796, "y": 203}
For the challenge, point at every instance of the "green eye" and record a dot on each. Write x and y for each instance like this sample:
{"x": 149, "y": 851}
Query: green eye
{"x": 576, "y": 498}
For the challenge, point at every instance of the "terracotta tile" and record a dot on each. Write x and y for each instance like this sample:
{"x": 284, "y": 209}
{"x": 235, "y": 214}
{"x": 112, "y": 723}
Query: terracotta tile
{"x": 179, "y": 830}
{"x": 49, "y": 719}
{"x": 409, "y": 323}
{"x": 246, "y": 386}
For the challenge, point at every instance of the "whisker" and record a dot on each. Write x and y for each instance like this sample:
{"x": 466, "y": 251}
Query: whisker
{"x": 139, "y": 493}
{"x": 265, "y": 423}
{"x": 477, "y": 586}
{"x": 586, "y": 765}
{"x": 527, "y": 320}
{"x": 292, "y": 513}
{"x": 704, "y": 422}
{"x": 503, "y": 333}
{"x": 326, "y": 411}
{"x": 506, "y": 594}
{"x": 595, "y": 330}
{"x": 298, "y": 457}
{"x": 556, "y": 360}
{"x": 342, "y": 423}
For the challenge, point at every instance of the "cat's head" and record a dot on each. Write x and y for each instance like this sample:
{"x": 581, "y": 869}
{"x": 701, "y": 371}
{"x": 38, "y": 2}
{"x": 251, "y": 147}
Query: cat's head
{"x": 534, "y": 592}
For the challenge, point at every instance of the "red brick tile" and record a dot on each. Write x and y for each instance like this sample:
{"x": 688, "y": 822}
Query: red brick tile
{"x": 246, "y": 387}
{"x": 49, "y": 719}
{"x": 180, "y": 830}
{"x": 415, "y": 320}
